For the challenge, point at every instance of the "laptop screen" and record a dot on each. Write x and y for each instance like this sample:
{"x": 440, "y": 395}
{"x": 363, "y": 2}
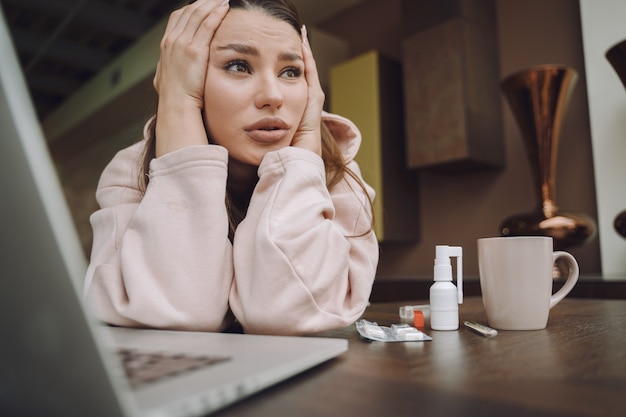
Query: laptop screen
{"x": 48, "y": 358}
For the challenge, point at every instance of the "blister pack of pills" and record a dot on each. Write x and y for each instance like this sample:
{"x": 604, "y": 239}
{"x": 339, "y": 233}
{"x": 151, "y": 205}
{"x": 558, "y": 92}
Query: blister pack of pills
{"x": 396, "y": 333}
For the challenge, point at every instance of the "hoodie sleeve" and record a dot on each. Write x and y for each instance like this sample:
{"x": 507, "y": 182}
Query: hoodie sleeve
{"x": 305, "y": 257}
{"x": 162, "y": 259}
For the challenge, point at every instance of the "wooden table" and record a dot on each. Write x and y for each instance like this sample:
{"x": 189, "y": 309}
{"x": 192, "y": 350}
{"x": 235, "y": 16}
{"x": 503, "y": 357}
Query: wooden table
{"x": 574, "y": 367}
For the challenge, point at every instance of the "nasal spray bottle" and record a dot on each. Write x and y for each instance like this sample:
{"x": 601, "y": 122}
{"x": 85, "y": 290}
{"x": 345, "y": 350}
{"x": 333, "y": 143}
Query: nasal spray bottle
{"x": 444, "y": 296}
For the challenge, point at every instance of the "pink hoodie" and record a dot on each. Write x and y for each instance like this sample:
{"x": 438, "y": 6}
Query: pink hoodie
{"x": 164, "y": 260}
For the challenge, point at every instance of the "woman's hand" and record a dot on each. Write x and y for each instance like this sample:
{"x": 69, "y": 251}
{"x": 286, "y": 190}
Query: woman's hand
{"x": 309, "y": 134}
{"x": 181, "y": 73}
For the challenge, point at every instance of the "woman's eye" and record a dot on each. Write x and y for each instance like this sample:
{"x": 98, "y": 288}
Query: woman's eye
{"x": 238, "y": 66}
{"x": 292, "y": 72}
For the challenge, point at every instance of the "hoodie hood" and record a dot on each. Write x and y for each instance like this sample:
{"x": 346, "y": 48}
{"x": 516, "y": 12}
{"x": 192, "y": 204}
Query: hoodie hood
{"x": 346, "y": 134}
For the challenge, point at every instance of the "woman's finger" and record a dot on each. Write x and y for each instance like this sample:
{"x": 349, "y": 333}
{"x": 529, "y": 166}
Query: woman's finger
{"x": 187, "y": 37}
{"x": 208, "y": 24}
{"x": 179, "y": 19}
{"x": 316, "y": 94}
{"x": 310, "y": 68}
{"x": 184, "y": 23}
{"x": 309, "y": 134}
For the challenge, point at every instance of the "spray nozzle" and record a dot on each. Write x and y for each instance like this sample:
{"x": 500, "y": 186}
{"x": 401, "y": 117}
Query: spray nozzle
{"x": 443, "y": 267}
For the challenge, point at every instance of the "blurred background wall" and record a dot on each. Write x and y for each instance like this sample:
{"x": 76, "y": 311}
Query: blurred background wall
{"x": 453, "y": 208}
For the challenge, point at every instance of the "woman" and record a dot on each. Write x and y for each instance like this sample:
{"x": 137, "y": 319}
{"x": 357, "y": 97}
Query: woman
{"x": 249, "y": 205}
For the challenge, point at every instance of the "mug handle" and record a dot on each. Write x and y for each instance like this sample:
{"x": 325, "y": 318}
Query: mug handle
{"x": 571, "y": 280}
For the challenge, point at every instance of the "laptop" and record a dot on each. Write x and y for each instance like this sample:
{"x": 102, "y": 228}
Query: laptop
{"x": 57, "y": 360}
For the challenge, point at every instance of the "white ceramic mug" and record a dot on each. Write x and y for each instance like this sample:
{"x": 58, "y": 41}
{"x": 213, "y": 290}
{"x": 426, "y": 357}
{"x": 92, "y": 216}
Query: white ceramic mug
{"x": 516, "y": 280}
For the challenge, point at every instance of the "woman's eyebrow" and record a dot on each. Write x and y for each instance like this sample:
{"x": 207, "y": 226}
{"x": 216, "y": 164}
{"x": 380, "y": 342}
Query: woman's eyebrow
{"x": 288, "y": 56}
{"x": 253, "y": 51}
{"x": 240, "y": 48}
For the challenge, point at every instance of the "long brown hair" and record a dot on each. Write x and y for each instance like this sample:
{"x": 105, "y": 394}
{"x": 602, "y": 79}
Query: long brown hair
{"x": 335, "y": 166}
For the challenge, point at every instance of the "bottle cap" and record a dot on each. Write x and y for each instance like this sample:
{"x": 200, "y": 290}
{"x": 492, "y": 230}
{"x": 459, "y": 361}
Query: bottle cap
{"x": 418, "y": 319}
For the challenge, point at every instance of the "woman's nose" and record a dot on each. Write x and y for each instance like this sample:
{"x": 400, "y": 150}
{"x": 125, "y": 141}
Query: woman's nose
{"x": 269, "y": 93}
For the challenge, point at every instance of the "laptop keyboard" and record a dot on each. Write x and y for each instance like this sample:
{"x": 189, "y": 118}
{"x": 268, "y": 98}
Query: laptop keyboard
{"x": 147, "y": 367}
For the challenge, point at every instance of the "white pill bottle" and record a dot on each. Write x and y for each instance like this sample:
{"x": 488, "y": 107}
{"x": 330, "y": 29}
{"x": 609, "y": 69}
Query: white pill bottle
{"x": 445, "y": 297}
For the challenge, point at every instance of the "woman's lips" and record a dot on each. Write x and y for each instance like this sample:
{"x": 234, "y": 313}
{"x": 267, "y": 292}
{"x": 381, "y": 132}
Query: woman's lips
{"x": 268, "y": 130}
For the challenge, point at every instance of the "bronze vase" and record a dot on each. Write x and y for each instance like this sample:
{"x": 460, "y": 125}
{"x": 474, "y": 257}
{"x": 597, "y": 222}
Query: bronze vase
{"x": 539, "y": 97}
{"x": 616, "y": 56}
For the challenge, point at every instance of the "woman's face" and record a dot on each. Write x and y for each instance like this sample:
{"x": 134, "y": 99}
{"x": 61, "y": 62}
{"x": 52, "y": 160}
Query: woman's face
{"x": 255, "y": 91}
